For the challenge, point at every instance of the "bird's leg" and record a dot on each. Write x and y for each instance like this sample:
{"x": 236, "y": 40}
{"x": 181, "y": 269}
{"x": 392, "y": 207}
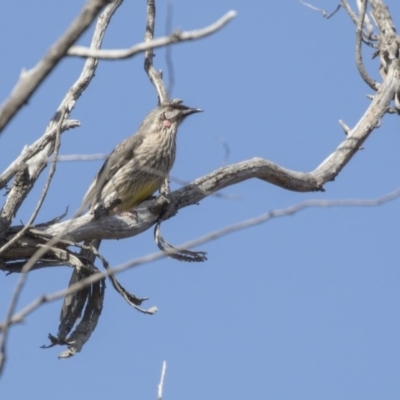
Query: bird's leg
{"x": 164, "y": 189}
{"x": 100, "y": 210}
{"x": 104, "y": 208}
{"x": 163, "y": 205}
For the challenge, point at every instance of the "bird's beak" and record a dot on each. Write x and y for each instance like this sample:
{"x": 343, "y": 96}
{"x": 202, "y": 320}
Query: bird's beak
{"x": 190, "y": 111}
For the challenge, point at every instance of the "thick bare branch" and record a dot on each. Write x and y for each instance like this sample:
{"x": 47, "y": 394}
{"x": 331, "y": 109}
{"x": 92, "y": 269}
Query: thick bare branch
{"x": 21, "y": 315}
{"x": 31, "y": 79}
{"x": 331, "y": 167}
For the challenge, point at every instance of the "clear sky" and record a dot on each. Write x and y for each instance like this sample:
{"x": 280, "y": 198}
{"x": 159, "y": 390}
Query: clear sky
{"x": 304, "y": 307}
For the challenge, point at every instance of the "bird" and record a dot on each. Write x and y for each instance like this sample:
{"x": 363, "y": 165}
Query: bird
{"x": 141, "y": 163}
{"x": 133, "y": 171}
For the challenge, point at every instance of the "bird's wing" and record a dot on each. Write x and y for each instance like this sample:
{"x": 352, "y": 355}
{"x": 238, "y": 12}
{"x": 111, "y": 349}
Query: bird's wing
{"x": 121, "y": 155}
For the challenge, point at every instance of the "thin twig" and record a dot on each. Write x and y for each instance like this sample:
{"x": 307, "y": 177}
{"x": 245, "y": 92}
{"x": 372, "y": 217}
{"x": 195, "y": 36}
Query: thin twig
{"x": 349, "y": 11}
{"x": 345, "y": 128}
{"x": 227, "y": 149}
{"x": 154, "y": 76}
{"x": 359, "y": 62}
{"x": 82, "y": 157}
{"x": 168, "y": 50}
{"x": 324, "y": 13}
{"x": 162, "y": 378}
{"x": 367, "y": 37}
{"x": 176, "y": 37}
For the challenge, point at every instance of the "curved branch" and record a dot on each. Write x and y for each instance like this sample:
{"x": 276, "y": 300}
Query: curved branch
{"x": 333, "y": 164}
{"x": 117, "y": 227}
{"x": 176, "y": 37}
{"x": 22, "y": 314}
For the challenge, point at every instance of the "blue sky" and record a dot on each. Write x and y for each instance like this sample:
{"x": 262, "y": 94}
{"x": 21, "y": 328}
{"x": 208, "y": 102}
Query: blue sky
{"x": 304, "y": 307}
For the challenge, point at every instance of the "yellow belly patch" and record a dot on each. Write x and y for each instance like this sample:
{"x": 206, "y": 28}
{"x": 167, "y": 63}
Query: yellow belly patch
{"x": 133, "y": 201}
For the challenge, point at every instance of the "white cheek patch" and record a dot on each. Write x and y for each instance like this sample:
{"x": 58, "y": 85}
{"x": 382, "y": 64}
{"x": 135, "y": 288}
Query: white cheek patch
{"x": 167, "y": 123}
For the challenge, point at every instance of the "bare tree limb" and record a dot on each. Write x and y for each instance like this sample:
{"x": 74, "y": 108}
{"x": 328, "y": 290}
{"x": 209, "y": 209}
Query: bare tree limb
{"x": 31, "y": 79}
{"x": 175, "y": 37}
{"x": 112, "y": 227}
{"x": 24, "y": 275}
{"x": 21, "y": 315}
{"x": 168, "y": 51}
{"x": 154, "y": 76}
{"x": 86, "y": 228}
{"x": 331, "y": 167}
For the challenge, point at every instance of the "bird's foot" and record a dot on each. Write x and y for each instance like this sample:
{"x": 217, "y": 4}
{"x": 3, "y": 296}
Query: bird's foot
{"x": 164, "y": 207}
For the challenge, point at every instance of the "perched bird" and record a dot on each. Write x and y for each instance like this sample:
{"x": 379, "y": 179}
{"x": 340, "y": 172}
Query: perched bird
{"x": 139, "y": 165}
{"x": 133, "y": 171}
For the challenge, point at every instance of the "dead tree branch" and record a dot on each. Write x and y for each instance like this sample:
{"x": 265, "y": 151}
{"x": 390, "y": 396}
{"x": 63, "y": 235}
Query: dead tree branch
{"x": 21, "y": 315}
{"x": 154, "y": 76}
{"x": 151, "y": 44}
{"x": 30, "y": 80}
{"x": 86, "y": 228}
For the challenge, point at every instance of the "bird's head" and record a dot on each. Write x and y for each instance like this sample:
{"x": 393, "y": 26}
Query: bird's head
{"x": 175, "y": 112}
{"x": 167, "y": 117}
